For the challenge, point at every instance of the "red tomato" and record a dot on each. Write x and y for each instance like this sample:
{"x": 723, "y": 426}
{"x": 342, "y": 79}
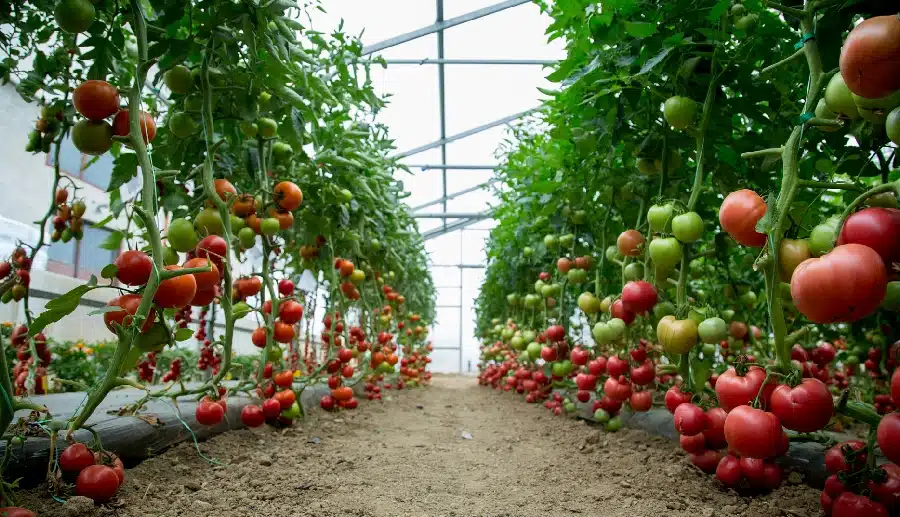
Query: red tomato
{"x": 271, "y": 408}
{"x": 849, "y": 504}
{"x": 112, "y": 461}
{"x": 889, "y": 436}
{"x": 834, "y": 487}
{"x": 209, "y": 413}
{"x": 252, "y": 415}
{"x": 877, "y": 228}
{"x": 728, "y": 471}
{"x": 630, "y": 243}
{"x": 888, "y": 492}
{"x": 869, "y": 63}
{"x": 95, "y": 99}
{"x": 16, "y": 511}
{"x": 76, "y": 458}
{"x": 753, "y": 432}
{"x": 258, "y": 337}
{"x": 805, "y": 408}
{"x": 133, "y": 267}
{"x": 205, "y": 281}
{"x": 555, "y": 333}
{"x": 835, "y": 460}
{"x": 754, "y": 469}
{"x": 290, "y": 312}
{"x": 327, "y": 402}
{"x": 695, "y": 444}
{"x": 772, "y": 476}
{"x": 641, "y": 401}
{"x": 739, "y": 214}
{"x": 122, "y": 125}
{"x": 97, "y": 482}
{"x": 844, "y": 285}
{"x": 284, "y": 333}
{"x": 895, "y": 387}
{"x": 175, "y": 292}
{"x": 580, "y": 356}
{"x": 707, "y": 461}
{"x": 285, "y": 287}
{"x": 342, "y": 394}
{"x": 644, "y": 374}
{"x": 618, "y": 310}
{"x": 616, "y": 390}
{"x": 129, "y": 304}
{"x": 284, "y": 379}
{"x": 214, "y": 248}
{"x": 639, "y": 296}
{"x": 286, "y": 398}
{"x": 347, "y": 372}
{"x": 250, "y": 286}
{"x": 715, "y": 428}
{"x": 203, "y": 297}
{"x": 732, "y": 390}
{"x": 675, "y": 397}
{"x": 616, "y": 366}
{"x": 690, "y": 419}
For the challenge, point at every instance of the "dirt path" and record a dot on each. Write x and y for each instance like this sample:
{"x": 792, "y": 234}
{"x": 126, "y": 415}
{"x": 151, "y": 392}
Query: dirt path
{"x": 408, "y": 457}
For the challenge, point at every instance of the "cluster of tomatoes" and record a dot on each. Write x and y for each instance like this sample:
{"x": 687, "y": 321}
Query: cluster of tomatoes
{"x": 97, "y": 101}
{"x": 351, "y": 277}
{"x": 15, "y": 276}
{"x": 146, "y": 367}
{"x": 45, "y": 130}
{"x": 68, "y": 222}
{"x": 280, "y": 405}
{"x": 174, "y": 371}
{"x": 24, "y": 360}
{"x": 850, "y": 476}
{"x": 98, "y": 475}
{"x": 290, "y": 312}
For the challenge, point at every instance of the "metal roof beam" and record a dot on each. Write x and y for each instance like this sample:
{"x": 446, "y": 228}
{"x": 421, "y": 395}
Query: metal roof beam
{"x": 430, "y": 61}
{"x": 453, "y": 195}
{"x": 441, "y": 25}
{"x": 454, "y": 215}
{"x": 459, "y": 167}
{"x": 464, "y": 134}
{"x": 458, "y": 225}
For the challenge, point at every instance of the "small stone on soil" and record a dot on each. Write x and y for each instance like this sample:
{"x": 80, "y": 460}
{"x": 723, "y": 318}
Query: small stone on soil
{"x": 193, "y": 485}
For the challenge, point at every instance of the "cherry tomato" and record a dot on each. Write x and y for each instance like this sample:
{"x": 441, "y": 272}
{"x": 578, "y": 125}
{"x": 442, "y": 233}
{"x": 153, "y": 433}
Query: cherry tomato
{"x": 630, "y": 243}
{"x": 133, "y": 267}
{"x": 76, "y": 458}
{"x": 252, "y": 415}
{"x": 175, "y": 292}
{"x": 209, "y": 413}
{"x": 97, "y": 482}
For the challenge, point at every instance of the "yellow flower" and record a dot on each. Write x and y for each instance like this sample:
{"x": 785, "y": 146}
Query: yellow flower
{"x": 79, "y": 345}
{"x": 7, "y": 324}
{"x": 89, "y": 350}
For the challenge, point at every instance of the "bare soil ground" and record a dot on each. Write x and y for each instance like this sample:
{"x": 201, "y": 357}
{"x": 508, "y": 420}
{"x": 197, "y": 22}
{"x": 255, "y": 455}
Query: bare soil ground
{"x": 409, "y": 457}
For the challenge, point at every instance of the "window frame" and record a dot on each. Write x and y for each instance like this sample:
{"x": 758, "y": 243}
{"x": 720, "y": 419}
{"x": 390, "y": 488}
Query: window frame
{"x": 85, "y": 159}
{"x": 74, "y": 269}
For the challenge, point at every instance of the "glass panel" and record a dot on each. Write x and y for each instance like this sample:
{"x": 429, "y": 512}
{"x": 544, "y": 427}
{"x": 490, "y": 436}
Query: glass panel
{"x": 445, "y": 276}
{"x": 473, "y": 246}
{"x": 486, "y": 224}
{"x": 428, "y": 224}
{"x": 462, "y": 179}
{"x": 445, "y": 361}
{"x": 477, "y": 149}
{"x": 445, "y": 250}
{"x": 515, "y": 33}
{"x": 424, "y": 187}
{"x": 375, "y": 20}
{"x": 92, "y": 258}
{"x": 62, "y": 252}
{"x": 448, "y": 296}
{"x": 460, "y": 7}
{"x": 70, "y": 158}
{"x": 473, "y": 202}
{"x": 412, "y": 112}
{"x": 100, "y": 171}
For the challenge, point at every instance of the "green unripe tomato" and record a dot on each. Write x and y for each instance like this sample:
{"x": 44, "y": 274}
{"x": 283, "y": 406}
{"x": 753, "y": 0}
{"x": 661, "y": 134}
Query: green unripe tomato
{"x": 615, "y": 423}
{"x": 292, "y": 412}
{"x": 576, "y": 276}
{"x": 891, "y": 300}
{"x": 170, "y": 256}
{"x": 748, "y": 299}
{"x": 179, "y": 80}
{"x": 512, "y": 299}
{"x": 634, "y": 271}
{"x": 527, "y": 251}
{"x": 821, "y": 239}
{"x": 532, "y": 301}
{"x": 663, "y": 309}
{"x": 712, "y": 330}
{"x": 539, "y": 287}
{"x": 181, "y": 235}
{"x": 265, "y": 98}
{"x": 567, "y": 240}
{"x": 534, "y": 350}
{"x": 247, "y": 237}
{"x": 209, "y": 222}
{"x": 616, "y": 328}
{"x": 249, "y": 129}
{"x": 727, "y": 315}
{"x": 659, "y": 217}
{"x": 551, "y": 241}
{"x": 269, "y": 226}
{"x": 237, "y": 223}
{"x": 193, "y": 103}
{"x": 267, "y": 127}
{"x": 612, "y": 253}
{"x": 601, "y": 416}
{"x": 709, "y": 350}
{"x": 687, "y": 227}
{"x": 839, "y": 98}
{"x": 569, "y": 407}
{"x": 665, "y": 252}
{"x": 579, "y": 217}
{"x": 679, "y": 111}
{"x": 240, "y": 309}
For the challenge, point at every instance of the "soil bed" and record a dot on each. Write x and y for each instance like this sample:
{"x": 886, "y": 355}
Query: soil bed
{"x": 454, "y": 449}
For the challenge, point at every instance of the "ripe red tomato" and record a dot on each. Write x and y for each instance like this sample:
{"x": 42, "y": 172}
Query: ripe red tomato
{"x": 252, "y": 415}
{"x": 639, "y": 296}
{"x": 888, "y": 492}
{"x": 836, "y": 462}
{"x": 16, "y": 511}
{"x": 675, "y": 397}
{"x": 630, "y": 243}
{"x": 342, "y": 394}
{"x": 347, "y": 372}
{"x": 129, "y": 304}
{"x": 707, "y": 461}
{"x": 877, "y": 228}
{"x": 284, "y": 333}
{"x": 209, "y": 413}
{"x": 849, "y": 504}
{"x": 715, "y": 428}
{"x": 618, "y": 310}
{"x": 287, "y": 195}
{"x": 347, "y": 269}
{"x": 739, "y": 214}
{"x": 286, "y": 398}
{"x": 271, "y": 408}
{"x": 258, "y": 337}
{"x": 556, "y": 333}
{"x": 175, "y": 292}
{"x": 869, "y": 63}
{"x": 213, "y": 247}
{"x": 285, "y": 287}
{"x": 844, "y": 285}
{"x": 617, "y": 390}
{"x": 250, "y": 286}
{"x": 112, "y": 461}
{"x": 895, "y": 387}
{"x": 641, "y": 401}
{"x": 122, "y": 120}
{"x": 96, "y": 100}
{"x": 689, "y": 419}
{"x": 97, "y": 482}
{"x": 643, "y": 374}
{"x": 290, "y": 312}
{"x": 753, "y": 432}
{"x": 889, "y": 436}
{"x": 76, "y": 458}
{"x": 805, "y": 408}
{"x": 284, "y": 379}
{"x": 728, "y": 471}
{"x": 733, "y": 390}
{"x": 205, "y": 281}
{"x": 133, "y": 267}
{"x": 694, "y": 444}
{"x": 327, "y": 402}
{"x": 616, "y": 366}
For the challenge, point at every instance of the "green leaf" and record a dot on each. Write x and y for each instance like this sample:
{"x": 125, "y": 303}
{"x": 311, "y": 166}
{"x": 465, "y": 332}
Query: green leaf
{"x": 61, "y": 307}
{"x": 545, "y": 186}
{"x": 109, "y": 271}
{"x": 183, "y": 334}
{"x": 640, "y": 29}
{"x": 824, "y": 166}
{"x": 718, "y": 10}
{"x": 655, "y": 60}
{"x": 124, "y": 169}
{"x": 113, "y": 241}
{"x": 104, "y": 310}
{"x": 104, "y": 222}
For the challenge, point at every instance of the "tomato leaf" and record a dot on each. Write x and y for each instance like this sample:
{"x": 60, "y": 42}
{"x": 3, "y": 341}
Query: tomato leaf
{"x": 109, "y": 271}
{"x": 124, "y": 168}
{"x": 113, "y": 241}
{"x": 183, "y": 334}
{"x": 640, "y": 29}
{"x": 61, "y": 307}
